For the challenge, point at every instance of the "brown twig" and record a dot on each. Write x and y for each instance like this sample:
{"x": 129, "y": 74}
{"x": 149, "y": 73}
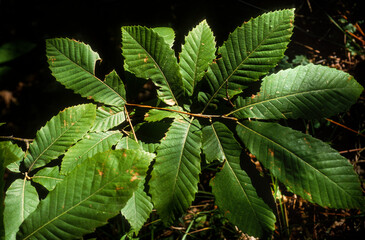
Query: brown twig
{"x": 309, "y": 6}
{"x": 354, "y": 36}
{"x": 358, "y": 28}
{"x": 307, "y": 47}
{"x": 199, "y": 115}
{"x": 345, "y": 127}
{"x": 352, "y": 150}
{"x": 199, "y": 230}
{"x": 130, "y": 123}
{"x": 17, "y": 138}
{"x": 26, "y": 140}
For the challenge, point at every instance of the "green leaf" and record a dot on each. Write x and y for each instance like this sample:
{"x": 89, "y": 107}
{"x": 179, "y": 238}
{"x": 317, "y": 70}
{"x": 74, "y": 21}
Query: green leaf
{"x": 128, "y": 143}
{"x": 59, "y": 134}
{"x": 20, "y": 201}
{"x": 48, "y": 177}
{"x": 311, "y": 91}
{"x": 250, "y": 52}
{"x": 138, "y": 208}
{"x": 175, "y": 174}
{"x": 88, "y": 196}
{"x": 196, "y": 55}
{"x": 107, "y": 118}
{"x": 308, "y": 166}
{"x": 90, "y": 145}
{"x": 155, "y": 115}
{"x": 211, "y": 145}
{"x": 6, "y": 157}
{"x": 168, "y": 34}
{"x": 234, "y": 192}
{"x": 148, "y": 56}
{"x": 73, "y": 64}
{"x": 10, "y": 154}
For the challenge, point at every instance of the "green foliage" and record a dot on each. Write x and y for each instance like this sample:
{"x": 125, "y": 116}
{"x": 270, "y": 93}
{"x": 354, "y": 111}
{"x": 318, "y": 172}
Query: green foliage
{"x": 92, "y": 160}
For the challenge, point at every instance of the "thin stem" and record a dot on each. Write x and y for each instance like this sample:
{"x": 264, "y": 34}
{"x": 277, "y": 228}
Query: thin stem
{"x": 199, "y": 230}
{"x": 343, "y": 126}
{"x": 130, "y": 123}
{"x": 199, "y": 115}
{"x": 352, "y": 150}
{"x": 17, "y": 138}
{"x": 26, "y": 140}
{"x": 188, "y": 229}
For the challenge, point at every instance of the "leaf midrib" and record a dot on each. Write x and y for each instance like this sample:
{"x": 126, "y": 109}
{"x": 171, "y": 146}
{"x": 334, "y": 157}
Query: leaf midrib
{"x": 97, "y": 142}
{"x": 181, "y": 155}
{"x": 296, "y": 94}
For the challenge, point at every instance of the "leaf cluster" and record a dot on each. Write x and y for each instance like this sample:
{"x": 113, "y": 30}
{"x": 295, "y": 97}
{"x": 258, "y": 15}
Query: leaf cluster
{"x": 204, "y": 113}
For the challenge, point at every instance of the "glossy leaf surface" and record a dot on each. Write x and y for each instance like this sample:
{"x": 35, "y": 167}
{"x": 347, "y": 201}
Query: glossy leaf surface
{"x": 168, "y": 34}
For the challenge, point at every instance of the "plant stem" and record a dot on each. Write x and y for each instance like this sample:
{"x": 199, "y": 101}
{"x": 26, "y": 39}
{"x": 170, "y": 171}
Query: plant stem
{"x": 199, "y": 115}
{"x": 188, "y": 229}
{"x": 343, "y": 126}
{"x": 26, "y": 140}
{"x": 130, "y": 124}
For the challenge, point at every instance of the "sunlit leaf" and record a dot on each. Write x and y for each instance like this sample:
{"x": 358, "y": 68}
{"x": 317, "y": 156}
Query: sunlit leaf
{"x": 311, "y": 91}
{"x": 196, "y": 55}
{"x": 90, "y": 145}
{"x": 73, "y": 64}
{"x": 20, "y": 201}
{"x": 88, "y": 196}
{"x": 59, "y": 134}
{"x": 250, "y": 52}
{"x": 107, "y": 118}
{"x": 48, "y": 177}
{"x": 148, "y": 56}
{"x": 138, "y": 208}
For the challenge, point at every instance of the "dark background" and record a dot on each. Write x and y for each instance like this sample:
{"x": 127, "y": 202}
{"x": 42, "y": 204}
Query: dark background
{"x": 36, "y": 96}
